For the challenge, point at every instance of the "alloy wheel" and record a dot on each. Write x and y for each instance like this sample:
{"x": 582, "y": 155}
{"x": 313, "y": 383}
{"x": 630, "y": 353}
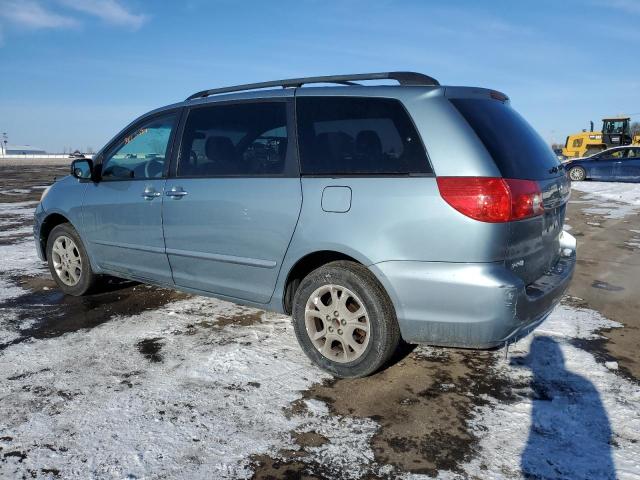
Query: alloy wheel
{"x": 337, "y": 323}
{"x": 67, "y": 261}
{"x": 576, "y": 174}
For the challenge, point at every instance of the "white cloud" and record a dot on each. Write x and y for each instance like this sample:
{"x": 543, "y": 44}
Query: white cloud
{"x": 31, "y": 14}
{"x": 628, "y": 6}
{"x": 43, "y": 14}
{"x": 111, "y": 11}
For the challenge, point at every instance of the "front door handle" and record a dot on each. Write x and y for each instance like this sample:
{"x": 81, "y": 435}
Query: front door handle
{"x": 176, "y": 192}
{"x": 150, "y": 193}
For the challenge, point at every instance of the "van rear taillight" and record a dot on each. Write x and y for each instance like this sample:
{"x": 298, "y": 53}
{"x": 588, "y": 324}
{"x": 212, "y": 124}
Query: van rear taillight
{"x": 492, "y": 199}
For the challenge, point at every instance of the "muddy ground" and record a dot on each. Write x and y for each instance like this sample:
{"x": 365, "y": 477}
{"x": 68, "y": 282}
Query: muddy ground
{"x": 423, "y": 403}
{"x": 607, "y": 278}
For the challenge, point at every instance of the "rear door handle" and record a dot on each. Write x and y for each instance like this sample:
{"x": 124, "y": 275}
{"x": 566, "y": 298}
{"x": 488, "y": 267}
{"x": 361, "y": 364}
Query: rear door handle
{"x": 150, "y": 193}
{"x": 176, "y": 192}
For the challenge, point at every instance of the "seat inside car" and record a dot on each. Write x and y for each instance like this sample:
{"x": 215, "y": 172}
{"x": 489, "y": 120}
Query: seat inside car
{"x": 332, "y": 150}
{"x": 368, "y": 150}
{"x": 221, "y": 155}
{"x": 273, "y": 161}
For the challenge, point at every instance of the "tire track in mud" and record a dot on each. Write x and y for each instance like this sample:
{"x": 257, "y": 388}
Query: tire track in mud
{"x": 606, "y": 276}
{"x": 422, "y": 405}
{"x": 40, "y": 310}
{"x": 49, "y": 313}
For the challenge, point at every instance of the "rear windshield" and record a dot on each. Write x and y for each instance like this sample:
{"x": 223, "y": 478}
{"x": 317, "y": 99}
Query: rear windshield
{"x": 517, "y": 149}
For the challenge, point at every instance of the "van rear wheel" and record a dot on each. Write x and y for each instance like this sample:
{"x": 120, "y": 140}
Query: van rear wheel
{"x": 344, "y": 320}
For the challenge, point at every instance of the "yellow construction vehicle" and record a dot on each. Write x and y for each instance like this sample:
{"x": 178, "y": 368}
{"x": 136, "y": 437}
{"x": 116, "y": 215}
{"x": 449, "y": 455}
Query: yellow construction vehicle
{"x": 615, "y": 132}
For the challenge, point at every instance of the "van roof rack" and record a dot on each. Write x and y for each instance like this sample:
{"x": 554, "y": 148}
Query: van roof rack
{"x": 403, "y": 78}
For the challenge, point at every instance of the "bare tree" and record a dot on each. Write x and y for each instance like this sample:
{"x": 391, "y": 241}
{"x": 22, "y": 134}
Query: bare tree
{"x": 635, "y": 128}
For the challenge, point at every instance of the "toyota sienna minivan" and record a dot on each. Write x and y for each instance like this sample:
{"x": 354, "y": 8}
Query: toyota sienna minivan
{"x": 370, "y": 213}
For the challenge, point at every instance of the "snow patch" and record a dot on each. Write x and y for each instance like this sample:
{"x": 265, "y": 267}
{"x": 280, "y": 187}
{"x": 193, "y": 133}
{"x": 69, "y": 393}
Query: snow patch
{"x": 16, "y": 232}
{"x": 15, "y": 191}
{"x": 611, "y": 365}
{"x": 216, "y": 397}
{"x": 20, "y": 259}
{"x": 571, "y": 322}
{"x": 347, "y": 453}
{"x": 25, "y": 209}
{"x": 8, "y": 290}
{"x": 623, "y": 198}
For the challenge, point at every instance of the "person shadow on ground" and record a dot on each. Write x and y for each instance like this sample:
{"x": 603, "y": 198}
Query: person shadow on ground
{"x": 570, "y": 435}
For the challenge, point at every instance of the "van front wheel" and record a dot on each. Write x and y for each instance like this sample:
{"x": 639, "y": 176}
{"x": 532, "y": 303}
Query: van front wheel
{"x": 344, "y": 320}
{"x": 68, "y": 261}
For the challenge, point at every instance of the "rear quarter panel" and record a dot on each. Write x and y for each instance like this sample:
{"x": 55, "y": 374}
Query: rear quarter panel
{"x": 390, "y": 218}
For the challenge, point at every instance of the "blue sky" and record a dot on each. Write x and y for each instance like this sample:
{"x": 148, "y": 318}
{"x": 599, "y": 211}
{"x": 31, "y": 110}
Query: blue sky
{"x": 73, "y": 72}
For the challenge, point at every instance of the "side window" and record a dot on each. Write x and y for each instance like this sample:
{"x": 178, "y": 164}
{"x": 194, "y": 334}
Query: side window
{"x": 615, "y": 154}
{"x": 633, "y": 153}
{"x": 142, "y": 152}
{"x": 347, "y": 135}
{"x": 235, "y": 139}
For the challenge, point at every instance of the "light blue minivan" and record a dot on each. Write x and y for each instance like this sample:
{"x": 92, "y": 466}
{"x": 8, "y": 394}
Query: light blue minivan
{"x": 370, "y": 213}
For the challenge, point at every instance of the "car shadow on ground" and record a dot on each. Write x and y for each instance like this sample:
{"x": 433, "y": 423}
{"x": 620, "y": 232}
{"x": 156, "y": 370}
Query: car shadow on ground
{"x": 570, "y": 434}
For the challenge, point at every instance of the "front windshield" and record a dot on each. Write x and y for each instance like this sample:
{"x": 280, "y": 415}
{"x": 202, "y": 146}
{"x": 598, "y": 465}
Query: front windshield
{"x": 614, "y": 126}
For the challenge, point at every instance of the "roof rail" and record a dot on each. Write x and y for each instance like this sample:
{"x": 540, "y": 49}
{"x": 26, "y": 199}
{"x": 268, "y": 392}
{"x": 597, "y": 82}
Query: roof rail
{"x": 403, "y": 78}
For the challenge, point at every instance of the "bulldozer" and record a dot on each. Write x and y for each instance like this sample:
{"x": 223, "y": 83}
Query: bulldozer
{"x": 616, "y": 132}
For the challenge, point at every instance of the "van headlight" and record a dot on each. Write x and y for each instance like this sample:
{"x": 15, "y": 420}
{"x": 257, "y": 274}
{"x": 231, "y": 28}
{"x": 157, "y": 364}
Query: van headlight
{"x": 44, "y": 193}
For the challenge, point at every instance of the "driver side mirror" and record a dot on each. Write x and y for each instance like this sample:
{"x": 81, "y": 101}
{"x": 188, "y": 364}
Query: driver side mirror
{"x": 82, "y": 169}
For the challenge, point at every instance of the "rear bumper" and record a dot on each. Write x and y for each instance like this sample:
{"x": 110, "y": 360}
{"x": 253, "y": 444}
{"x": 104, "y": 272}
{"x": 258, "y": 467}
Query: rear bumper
{"x": 470, "y": 305}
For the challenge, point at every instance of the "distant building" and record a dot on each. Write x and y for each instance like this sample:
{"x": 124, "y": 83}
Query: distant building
{"x": 23, "y": 150}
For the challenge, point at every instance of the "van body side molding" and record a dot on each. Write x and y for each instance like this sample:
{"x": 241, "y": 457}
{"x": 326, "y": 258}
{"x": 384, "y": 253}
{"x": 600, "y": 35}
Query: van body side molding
{"x": 252, "y": 262}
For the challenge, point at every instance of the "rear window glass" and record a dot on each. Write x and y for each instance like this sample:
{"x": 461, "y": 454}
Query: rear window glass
{"x": 345, "y": 135}
{"x": 517, "y": 149}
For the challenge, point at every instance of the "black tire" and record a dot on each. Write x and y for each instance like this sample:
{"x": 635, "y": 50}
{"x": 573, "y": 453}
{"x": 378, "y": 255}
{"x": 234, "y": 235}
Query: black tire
{"x": 577, "y": 174}
{"x": 384, "y": 333}
{"x": 87, "y": 279}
